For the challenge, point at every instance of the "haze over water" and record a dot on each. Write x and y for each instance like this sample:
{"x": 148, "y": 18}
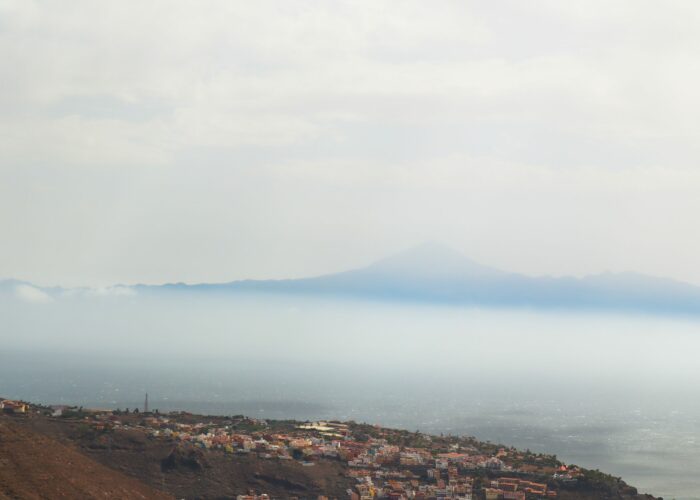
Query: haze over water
{"x": 160, "y": 142}
{"x": 618, "y": 393}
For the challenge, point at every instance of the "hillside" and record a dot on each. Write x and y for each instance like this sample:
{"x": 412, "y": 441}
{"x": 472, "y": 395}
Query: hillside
{"x": 113, "y": 454}
{"x": 34, "y": 465}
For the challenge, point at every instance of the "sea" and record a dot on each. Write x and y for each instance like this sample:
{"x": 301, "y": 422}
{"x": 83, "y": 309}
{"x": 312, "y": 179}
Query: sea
{"x": 614, "y": 392}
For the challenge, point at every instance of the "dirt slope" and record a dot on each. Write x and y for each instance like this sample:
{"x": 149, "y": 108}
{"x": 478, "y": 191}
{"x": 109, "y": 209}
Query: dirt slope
{"x": 33, "y": 466}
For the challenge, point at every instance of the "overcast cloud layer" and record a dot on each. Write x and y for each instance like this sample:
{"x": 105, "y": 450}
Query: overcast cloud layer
{"x": 210, "y": 141}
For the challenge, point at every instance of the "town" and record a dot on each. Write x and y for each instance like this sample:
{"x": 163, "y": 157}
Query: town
{"x": 379, "y": 462}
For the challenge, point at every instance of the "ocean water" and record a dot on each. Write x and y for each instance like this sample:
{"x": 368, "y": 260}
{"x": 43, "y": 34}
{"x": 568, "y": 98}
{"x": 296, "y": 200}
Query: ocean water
{"x": 613, "y": 392}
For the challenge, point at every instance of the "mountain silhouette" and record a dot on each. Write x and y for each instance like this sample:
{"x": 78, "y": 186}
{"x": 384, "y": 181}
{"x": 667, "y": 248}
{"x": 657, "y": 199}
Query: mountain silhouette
{"x": 435, "y": 273}
{"x": 438, "y": 274}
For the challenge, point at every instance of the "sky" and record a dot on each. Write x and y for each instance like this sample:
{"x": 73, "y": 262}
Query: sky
{"x": 150, "y": 142}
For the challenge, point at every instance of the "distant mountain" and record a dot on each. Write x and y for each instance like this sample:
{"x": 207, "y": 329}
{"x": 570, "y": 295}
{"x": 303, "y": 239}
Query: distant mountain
{"x": 434, "y": 273}
{"x": 437, "y": 274}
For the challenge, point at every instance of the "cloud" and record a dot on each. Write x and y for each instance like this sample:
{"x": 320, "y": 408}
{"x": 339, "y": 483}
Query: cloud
{"x": 259, "y": 74}
{"x": 106, "y": 291}
{"x": 112, "y": 291}
{"x": 28, "y": 293}
{"x": 171, "y": 141}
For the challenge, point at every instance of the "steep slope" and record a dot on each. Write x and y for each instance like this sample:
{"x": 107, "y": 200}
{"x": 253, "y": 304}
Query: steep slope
{"x": 33, "y": 465}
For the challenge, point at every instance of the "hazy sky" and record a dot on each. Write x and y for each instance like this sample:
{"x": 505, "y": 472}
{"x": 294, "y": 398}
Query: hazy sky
{"x": 209, "y": 141}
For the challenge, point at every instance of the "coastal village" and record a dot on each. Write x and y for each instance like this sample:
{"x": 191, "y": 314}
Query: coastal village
{"x": 382, "y": 463}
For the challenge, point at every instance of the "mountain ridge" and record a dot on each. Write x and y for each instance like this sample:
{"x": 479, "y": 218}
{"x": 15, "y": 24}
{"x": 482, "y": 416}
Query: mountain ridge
{"x": 438, "y": 274}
